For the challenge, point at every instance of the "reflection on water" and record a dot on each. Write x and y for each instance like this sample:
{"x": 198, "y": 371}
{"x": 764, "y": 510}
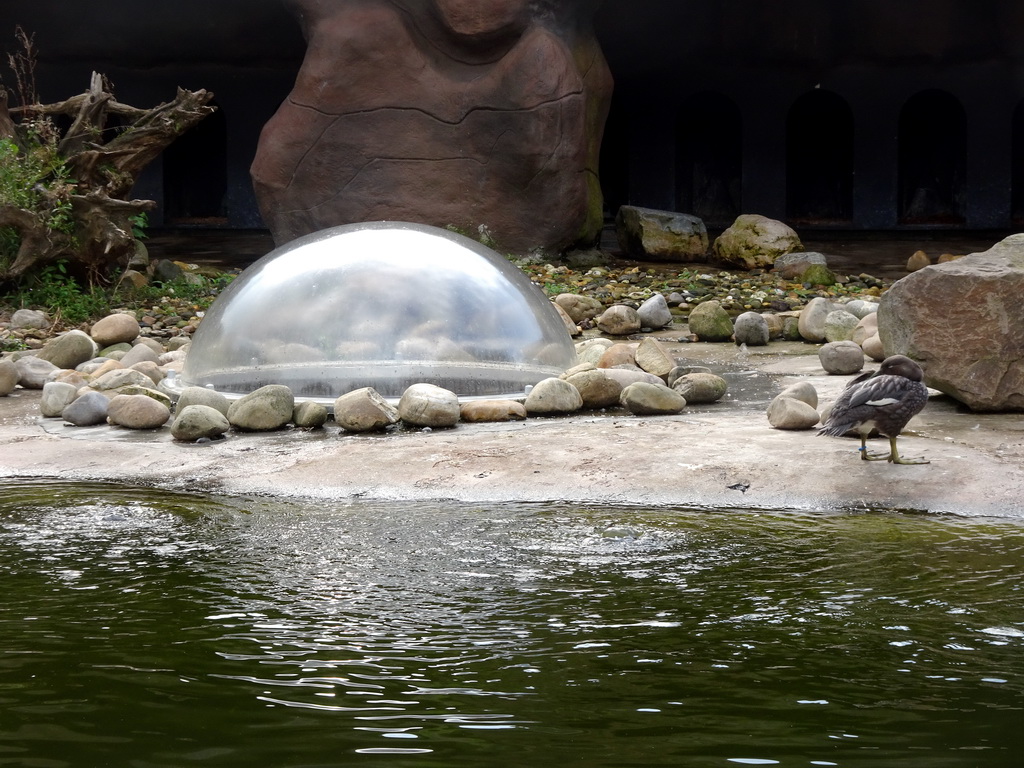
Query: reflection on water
{"x": 145, "y": 629}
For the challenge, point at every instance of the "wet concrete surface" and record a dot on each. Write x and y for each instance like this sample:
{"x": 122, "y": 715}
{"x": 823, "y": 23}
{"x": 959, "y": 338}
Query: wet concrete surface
{"x": 716, "y": 456}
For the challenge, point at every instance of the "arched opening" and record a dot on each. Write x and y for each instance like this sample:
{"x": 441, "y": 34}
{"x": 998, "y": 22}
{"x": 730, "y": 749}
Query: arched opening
{"x": 1017, "y": 166}
{"x": 196, "y": 174}
{"x": 932, "y": 159}
{"x": 615, "y": 158}
{"x": 819, "y": 159}
{"x": 709, "y": 159}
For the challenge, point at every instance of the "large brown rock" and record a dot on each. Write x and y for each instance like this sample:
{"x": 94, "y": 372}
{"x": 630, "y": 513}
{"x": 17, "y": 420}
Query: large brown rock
{"x": 446, "y": 112}
{"x": 963, "y": 321}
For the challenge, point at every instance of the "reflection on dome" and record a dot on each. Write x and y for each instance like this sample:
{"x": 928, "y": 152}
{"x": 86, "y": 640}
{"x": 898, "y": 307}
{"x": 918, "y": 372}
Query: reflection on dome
{"x": 382, "y": 305}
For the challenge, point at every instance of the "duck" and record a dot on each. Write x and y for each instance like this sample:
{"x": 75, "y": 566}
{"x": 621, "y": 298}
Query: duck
{"x": 883, "y": 400}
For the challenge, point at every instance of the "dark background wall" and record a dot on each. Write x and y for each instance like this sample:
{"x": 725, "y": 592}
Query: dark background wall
{"x": 245, "y": 51}
{"x": 861, "y": 114}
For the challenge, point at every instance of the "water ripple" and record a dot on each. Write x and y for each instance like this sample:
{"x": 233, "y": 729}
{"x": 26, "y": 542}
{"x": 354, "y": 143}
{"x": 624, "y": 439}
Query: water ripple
{"x": 179, "y": 629}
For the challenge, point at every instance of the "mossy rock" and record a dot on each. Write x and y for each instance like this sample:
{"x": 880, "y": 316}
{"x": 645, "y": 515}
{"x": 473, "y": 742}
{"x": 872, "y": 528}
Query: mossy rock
{"x": 755, "y": 242}
{"x": 710, "y": 322}
{"x": 818, "y": 274}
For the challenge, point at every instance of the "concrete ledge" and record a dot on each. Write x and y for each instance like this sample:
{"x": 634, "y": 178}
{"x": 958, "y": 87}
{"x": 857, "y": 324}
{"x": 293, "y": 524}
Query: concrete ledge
{"x": 719, "y": 456}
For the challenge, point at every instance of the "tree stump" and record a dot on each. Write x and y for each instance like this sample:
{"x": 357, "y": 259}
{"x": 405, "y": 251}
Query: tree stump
{"x": 78, "y": 209}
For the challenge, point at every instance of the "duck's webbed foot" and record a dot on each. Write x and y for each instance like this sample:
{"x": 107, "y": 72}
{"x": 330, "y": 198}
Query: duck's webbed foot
{"x": 895, "y": 458}
{"x": 868, "y": 456}
{"x": 900, "y": 460}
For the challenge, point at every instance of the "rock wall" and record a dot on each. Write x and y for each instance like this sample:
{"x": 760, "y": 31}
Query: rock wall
{"x": 447, "y": 112}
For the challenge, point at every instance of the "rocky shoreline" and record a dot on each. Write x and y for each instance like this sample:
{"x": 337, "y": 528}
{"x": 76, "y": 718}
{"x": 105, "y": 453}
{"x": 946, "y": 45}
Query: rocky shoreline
{"x": 122, "y": 368}
{"x": 720, "y": 455}
{"x": 608, "y": 281}
{"x": 727, "y": 451}
{"x": 118, "y": 368}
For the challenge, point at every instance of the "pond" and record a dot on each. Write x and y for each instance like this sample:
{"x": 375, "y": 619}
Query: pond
{"x": 153, "y": 629}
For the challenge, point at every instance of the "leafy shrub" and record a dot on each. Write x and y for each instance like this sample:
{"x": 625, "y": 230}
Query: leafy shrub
{"x": 60, "y": 295}
{"x": 64, "y": 298}
{"x": 35, "y": 178}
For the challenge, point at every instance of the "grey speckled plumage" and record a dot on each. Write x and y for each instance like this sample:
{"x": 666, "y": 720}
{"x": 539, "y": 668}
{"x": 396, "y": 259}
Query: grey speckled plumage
{"x": 884, "y": 400}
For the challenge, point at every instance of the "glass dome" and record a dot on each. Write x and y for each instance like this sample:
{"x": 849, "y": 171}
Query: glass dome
{"x": 382, "y": 305}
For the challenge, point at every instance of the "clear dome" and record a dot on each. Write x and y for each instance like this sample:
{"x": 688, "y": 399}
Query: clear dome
{"x": 382, "y": 305}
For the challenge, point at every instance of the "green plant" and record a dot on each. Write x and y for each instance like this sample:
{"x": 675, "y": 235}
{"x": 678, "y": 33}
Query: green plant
{"x": 553, "y": 289}
{"x": 193, "y": 292}
{"x": 88, "y": 221}
{"x": 34, "y": 175}
{"x": 34, "y": 178}
{"x": 139, "y": 223}
{"x": 457, "y": 230}
{"x": 54, "y": 290}
{"x": 10, "y": 241}
{"x": 485, "y": 237}
{"x": 198, "y": 291}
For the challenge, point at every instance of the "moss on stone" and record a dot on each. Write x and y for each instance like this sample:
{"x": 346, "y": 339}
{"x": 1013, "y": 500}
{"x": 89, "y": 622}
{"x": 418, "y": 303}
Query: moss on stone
{"x": 818, "y": 274}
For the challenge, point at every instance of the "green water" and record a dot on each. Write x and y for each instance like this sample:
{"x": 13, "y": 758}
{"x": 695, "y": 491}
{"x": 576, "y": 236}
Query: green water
{"x": 148, "y": 629}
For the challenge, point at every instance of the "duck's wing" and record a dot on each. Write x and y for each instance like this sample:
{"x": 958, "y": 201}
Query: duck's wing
{"x": 881, "y": 391}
